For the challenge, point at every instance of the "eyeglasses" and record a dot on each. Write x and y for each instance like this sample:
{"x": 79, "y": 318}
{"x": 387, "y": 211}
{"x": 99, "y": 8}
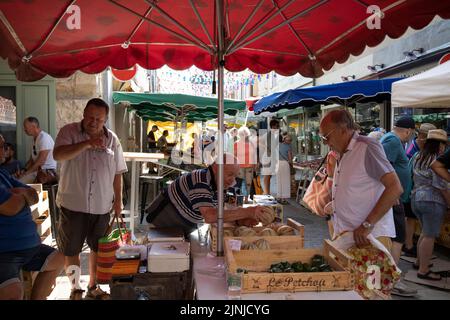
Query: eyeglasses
{"x": 325, "y": 137}
{"x": 34, "y": 150}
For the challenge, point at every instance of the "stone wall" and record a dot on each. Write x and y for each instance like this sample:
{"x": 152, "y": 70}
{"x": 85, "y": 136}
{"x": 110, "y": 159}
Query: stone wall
{"x": 72, "y": 94}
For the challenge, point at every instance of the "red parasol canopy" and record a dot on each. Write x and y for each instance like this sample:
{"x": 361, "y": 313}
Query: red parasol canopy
{"x": 286, "y": 36}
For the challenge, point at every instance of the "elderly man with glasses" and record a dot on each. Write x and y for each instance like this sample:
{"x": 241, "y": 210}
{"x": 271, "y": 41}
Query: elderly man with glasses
{"x": 365, "y": 186}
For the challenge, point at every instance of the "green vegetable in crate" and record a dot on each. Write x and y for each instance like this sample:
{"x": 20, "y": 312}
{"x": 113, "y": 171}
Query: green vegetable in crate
{"x": 297, "y": 266}
{"x": 306, "y": 267}
{"x": 318, "y": 260}
{"x": 275, "y": 270}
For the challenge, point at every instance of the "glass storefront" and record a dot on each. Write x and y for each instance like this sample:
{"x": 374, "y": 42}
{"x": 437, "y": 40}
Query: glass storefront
{"x": 367, "y": 115}
{"x": 8, "y": 114}
{"x": 304, "y": 129}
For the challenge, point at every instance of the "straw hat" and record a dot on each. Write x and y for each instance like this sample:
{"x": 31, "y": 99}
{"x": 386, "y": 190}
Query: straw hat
{"x": 437, "y": 134}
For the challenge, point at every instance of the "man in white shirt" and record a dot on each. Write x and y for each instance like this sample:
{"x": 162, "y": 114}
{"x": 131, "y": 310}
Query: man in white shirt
{"x": 41, "y": 153}
{"x": 365, "y": 185}
{"x": 90, "y": 186}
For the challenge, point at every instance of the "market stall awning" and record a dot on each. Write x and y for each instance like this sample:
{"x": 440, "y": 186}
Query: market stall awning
{"x": 429, "y": 89}
{"x": 287, "y": 36}
{"x": 345, "y": 93}
{"x": 164, "y": 107}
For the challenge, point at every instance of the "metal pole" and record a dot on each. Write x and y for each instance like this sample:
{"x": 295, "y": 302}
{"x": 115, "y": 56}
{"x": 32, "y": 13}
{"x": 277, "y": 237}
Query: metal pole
{"x": 107, "y": 91}
{"x": 220, "y": 75}
{"x": 142, "y": 135}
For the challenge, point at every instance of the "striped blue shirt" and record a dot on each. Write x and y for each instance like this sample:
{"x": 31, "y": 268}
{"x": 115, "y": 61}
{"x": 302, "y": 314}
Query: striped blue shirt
{"x": 192, "y": 191}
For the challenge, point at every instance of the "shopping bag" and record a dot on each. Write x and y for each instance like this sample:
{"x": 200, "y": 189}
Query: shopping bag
{"x": 373, "y": 266}
{"x": 107, "y": 246}
{"x": 318, "y": 193}
{"x": 256, "y": 187}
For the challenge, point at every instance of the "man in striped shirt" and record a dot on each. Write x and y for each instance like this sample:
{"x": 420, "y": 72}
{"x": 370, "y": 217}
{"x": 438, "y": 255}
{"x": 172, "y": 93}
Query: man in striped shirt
{"x": 192, "y": 198}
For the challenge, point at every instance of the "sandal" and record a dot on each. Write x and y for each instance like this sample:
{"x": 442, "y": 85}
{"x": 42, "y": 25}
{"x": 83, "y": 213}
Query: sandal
{"x": 416, "y": 266}
{"x": 96, "y": 293}
{"x": 428, "y": 276}
{"x": 76, "y": 294}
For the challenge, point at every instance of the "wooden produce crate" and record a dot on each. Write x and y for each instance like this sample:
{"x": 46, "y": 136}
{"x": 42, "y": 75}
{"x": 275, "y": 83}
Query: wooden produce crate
{"x": 257, "y": 262}
{"x": 444, "y": 236}
{"x": 276, "y": 242}
{"x": 43, "y": 223}
{"x": 42, "y": 206}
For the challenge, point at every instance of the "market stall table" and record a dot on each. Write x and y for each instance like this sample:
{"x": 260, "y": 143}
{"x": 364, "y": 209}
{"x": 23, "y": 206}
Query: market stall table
{"x": 210, "y": 281}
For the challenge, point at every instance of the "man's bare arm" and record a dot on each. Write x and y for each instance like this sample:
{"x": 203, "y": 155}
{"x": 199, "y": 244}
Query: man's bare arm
{"x": 20, "y": 197}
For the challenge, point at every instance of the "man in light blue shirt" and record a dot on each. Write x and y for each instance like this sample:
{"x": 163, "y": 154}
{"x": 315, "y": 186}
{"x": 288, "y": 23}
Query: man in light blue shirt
{"x": 393, "y": 144}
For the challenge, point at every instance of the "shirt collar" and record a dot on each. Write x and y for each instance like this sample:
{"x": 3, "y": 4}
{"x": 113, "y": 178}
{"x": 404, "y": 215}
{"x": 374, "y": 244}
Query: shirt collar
{"x": 80, "y": 127}
{"x": 352, "y": 142}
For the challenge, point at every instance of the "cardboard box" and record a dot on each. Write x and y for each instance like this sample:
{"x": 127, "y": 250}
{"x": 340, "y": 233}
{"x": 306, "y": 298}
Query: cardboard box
{"x": 169, "y": 257}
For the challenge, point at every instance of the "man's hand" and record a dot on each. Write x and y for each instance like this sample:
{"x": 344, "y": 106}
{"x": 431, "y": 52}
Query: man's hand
{"x": 96, "y": 143}
{"x": 30, "y": 195}
{"x": 360, "y": 236}
{"x": 117, "y": 207}
{"x": 258, "y": 213}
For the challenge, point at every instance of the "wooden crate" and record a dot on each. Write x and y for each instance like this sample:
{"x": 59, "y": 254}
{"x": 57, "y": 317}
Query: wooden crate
{"x": 444, "y": 236}
{"x": 257, "y": 262}
{"x": 276, "y": 242}
{"x": 43, "y": 223}
{"x": 47, "y": 238}
{"x": 40, "y": 208}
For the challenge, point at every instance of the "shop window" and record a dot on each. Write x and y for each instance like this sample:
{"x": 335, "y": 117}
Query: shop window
{"x": 367, "y": 115}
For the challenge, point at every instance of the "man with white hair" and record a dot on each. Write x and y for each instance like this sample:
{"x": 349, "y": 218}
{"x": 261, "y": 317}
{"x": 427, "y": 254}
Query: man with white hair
{"x": 365, "y": 186}
{"x": 192, "y": 199}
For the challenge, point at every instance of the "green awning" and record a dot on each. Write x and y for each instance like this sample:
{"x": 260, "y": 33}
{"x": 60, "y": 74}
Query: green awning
{"x": 164, "y": 107}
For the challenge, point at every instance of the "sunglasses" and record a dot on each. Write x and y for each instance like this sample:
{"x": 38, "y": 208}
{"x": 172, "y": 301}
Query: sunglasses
{"x": 34, "y": 150}
{"x": 325, "y": 137}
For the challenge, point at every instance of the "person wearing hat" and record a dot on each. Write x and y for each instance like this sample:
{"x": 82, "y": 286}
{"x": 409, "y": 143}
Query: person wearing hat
{"x": 393, "y": 144}
{"x": 417, "y": 144}
{"x": 442, "y": 165}
{"x": 430, "y": 200}
{"x": 151, "y": 139}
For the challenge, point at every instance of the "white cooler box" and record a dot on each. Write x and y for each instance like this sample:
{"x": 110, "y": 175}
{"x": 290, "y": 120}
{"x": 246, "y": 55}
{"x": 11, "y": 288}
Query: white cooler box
{"x": 169, "y": 257}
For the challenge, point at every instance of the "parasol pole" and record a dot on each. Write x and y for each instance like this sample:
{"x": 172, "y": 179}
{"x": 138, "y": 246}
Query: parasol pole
{"x": 220, "y": 76}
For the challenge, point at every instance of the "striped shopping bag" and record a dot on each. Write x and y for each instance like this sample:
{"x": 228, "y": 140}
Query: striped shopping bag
{"x": 107, "y": 246}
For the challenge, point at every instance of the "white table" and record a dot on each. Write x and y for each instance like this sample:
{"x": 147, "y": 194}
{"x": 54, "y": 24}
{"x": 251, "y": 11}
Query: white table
{"x": 210, "y": 283}
{"x": 135, "y": 157}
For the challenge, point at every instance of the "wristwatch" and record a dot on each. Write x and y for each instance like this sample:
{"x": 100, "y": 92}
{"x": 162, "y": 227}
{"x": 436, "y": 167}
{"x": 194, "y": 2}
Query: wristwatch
{"x": 367, "y": 225}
